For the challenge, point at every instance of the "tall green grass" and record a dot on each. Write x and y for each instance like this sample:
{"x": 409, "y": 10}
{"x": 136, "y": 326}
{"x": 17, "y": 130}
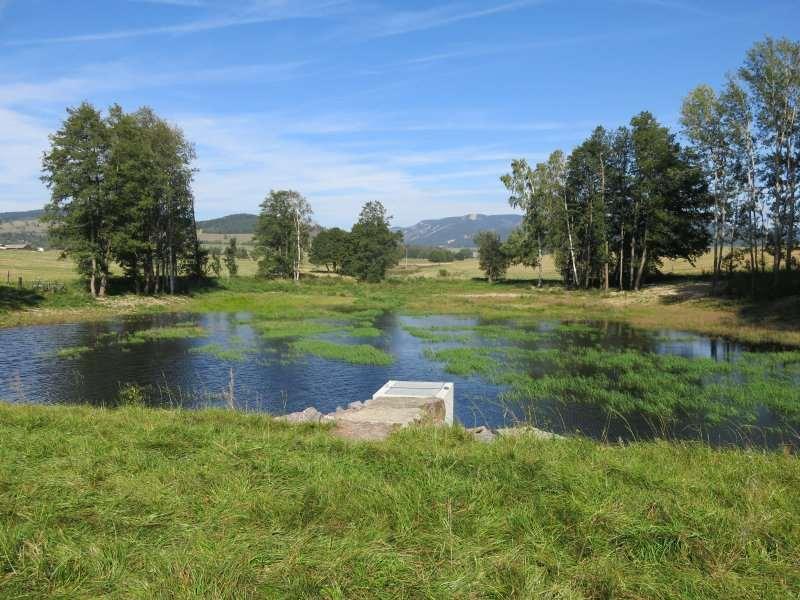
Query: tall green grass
{"x": 140, "y": 503}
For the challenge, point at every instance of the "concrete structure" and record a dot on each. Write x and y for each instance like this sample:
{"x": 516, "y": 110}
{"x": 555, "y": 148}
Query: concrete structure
{"x": 396, "y": 405}
{"x": 415, "y": 393}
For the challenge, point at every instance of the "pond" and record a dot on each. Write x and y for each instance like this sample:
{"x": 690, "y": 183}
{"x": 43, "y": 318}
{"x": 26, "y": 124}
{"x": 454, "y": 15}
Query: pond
{"x": 606, "y": 380}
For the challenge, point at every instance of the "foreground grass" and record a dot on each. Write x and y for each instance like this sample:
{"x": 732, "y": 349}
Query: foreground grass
{"x": 145, "y": 503}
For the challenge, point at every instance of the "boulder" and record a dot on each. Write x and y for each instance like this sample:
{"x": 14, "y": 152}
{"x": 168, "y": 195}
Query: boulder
{"x": 528, "y": 430}
{"x": 309, "y": 415}
{"x": 482, "y": 434}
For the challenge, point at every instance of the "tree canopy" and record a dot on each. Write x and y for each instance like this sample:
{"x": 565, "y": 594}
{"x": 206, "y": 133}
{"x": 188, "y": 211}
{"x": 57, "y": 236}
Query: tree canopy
{"x": 619, "y": 203}
{"x": 282, "y": 234}
{"x": 373, "y": 247}
{"x": 121, "y": 192}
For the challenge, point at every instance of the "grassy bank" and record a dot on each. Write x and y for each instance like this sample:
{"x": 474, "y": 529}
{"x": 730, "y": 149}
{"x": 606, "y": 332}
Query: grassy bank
{"x": 146, "y": 503}
{"x": 680, "y": 304}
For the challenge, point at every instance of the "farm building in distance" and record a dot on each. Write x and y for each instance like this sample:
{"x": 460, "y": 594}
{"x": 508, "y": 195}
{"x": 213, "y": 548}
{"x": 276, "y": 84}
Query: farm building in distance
{"x": 19, "y": 247}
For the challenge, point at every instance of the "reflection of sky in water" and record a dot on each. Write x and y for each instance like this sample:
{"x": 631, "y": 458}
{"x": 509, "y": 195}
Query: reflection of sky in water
{"x": 272, "y": 378}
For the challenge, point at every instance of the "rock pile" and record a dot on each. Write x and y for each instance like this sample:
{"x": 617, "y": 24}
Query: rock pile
{"x": 376, "y": 419}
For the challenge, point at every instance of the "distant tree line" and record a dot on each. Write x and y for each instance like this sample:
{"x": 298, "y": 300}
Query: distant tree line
{"x": 121, "y": 193}
{"x": 437, "y": 254}
{"x": 624, "y": 200}
{"x": 283, "y": 239}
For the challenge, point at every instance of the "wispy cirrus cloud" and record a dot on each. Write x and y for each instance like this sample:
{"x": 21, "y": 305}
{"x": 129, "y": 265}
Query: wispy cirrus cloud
{"x": 384, "y": 23}
{"x": 360, "y": 23}
{"x": 225, "y": 15}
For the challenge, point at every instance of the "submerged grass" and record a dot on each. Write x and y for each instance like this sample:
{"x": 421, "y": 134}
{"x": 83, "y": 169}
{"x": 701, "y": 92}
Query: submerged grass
{"x": 143, "y": 503}
{"x": 359, "y": 354}
{"x": 364, "y": 331}
{"x": 628, "y": 382}
{"x": 175, "y": 332}
{"x": 292, "y": 328}
{"x": 227, "y": 353}
{"x": 73, "y": 351}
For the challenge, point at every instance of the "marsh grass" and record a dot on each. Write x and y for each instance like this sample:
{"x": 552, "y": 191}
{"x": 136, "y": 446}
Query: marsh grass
{"x": 362, "y": 331}
{"x": 662, "y": 387}
{"x": 174, "y": 332}
{"x": 359, "y": 354}
{"x": 73, "y": 351}
{"x": 434, "y": 334}
{"x": 293, "y": 328}
{"x": 143, "y": 503}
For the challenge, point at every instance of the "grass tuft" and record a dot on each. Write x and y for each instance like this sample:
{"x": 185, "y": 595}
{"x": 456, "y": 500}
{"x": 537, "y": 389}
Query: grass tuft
{"x": 359, "y": 354}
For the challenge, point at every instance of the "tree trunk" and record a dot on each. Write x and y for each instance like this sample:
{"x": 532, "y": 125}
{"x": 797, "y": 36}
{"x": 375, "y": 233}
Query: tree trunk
{"x": 632, "y": 265}
{"x": 642, "y": 261}
{"x": 790, "y": 199}
{"x": 539, "y": 242}
{"x": 605, "y": 269}
{"x": 569, "y": 238}
{"x": 621, "y": 256}
{"x": 717, "y": 224}
{"x": 589, "y": 241}
{"x": 297, "y": 249}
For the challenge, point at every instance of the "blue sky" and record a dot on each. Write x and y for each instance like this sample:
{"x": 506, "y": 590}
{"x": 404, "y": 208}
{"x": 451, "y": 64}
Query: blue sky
{"x": 420, "y": 105}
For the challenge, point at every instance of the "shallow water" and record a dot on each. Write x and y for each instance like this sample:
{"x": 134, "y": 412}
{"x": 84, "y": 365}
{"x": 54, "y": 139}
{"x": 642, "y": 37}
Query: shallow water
{"x": 268, "y": 376}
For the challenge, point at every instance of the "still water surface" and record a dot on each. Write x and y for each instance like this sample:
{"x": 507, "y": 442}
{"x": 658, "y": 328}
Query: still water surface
{"x": 271, "y": 378}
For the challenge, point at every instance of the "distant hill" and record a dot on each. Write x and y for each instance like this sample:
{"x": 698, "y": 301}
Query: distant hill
{"x": 23, "y": 215}
{"x": 238, "y": 223}
{"x": 457, "y": 232}
{"x": 23, "y": 227}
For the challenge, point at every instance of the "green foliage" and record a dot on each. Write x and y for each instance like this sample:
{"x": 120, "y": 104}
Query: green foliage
{"x": 131, "y": 394}
{"x": 230, "y": 258}
{"x": 329, "y": 248}
{"x": 493, "y": 256}
{"x": 440, "y": 255}
{"x": 282, "y": 234}
{"x": 526, "y": 192}
{"x": 613, "y": 209}
{"x": 216, "y": 262}
{"x": 373, "y": 247}
{"x": 121, "y": 192}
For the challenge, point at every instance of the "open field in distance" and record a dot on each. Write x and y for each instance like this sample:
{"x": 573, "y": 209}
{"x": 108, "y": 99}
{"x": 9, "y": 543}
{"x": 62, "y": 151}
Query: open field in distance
{"x": 32, "y": 265}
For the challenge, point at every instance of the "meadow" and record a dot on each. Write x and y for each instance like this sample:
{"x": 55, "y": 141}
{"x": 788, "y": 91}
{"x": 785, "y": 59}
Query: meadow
{"x": 682, "y": 301}
{"x": 144, "y": 503}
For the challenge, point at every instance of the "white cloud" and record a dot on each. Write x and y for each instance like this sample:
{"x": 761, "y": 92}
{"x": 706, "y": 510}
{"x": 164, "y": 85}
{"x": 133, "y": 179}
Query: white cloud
{"x": 242, "y": 158}
{"x": 22, "y": 141}
{"x": 120, "y": 76}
